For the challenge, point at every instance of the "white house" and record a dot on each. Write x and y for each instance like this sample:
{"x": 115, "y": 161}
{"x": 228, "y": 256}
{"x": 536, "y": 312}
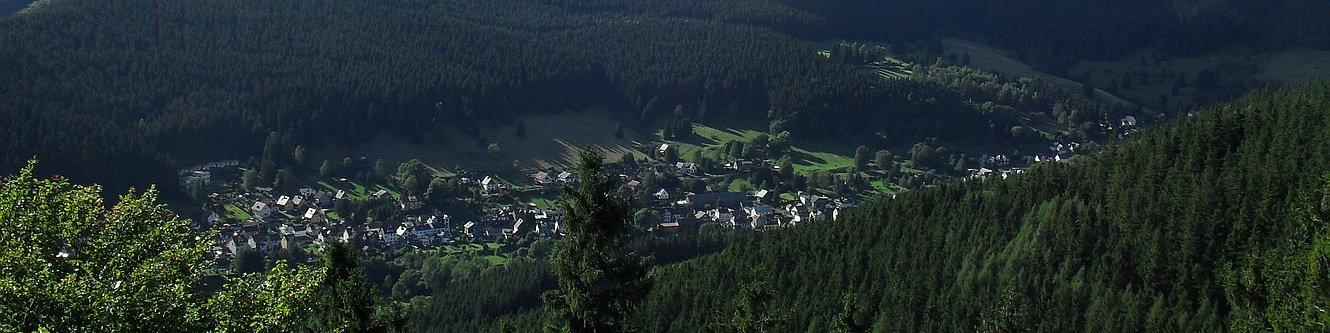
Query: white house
{"x": 662, "y": 194}
{"x": 284, "y": 202}
{"x": 313, "y": 215}
{"x": 429, "y": 232}
{"x": 260, "y": 210}
{"x": 389, "y": 237}
{"x": 489, "y": 184}
{"x": 192, "y": 177}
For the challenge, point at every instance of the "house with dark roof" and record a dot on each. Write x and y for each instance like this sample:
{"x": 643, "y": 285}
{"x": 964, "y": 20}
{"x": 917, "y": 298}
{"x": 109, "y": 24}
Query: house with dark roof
{"x": 411, "y": 202}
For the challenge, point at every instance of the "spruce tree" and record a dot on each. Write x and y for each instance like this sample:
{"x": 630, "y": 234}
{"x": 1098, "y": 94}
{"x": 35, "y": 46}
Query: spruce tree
{"x": 600, "y": 281}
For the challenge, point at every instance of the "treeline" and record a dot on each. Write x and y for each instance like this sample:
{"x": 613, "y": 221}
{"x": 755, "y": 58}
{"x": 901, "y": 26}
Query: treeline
{"x": 1054, "y": 35}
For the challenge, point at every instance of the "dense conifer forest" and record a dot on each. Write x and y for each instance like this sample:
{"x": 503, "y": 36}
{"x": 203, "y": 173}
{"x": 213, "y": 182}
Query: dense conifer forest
{"x": 1214, "y": 223}
{"x": 120, "y": 92}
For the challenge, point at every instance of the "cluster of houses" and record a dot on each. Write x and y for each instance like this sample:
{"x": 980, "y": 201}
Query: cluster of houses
{"x": 1125, "y": 126}
{"x": 309, "y": 205}
{"x": 284, "y": 220}
{"x": 300, "y": 220}
{"x": 202, "y": 173}
{"x": 514, "y": 222}
{"x": 258, "y": 235}
{"x": 759, "y": 210}
{"x": 1059, "y": 152}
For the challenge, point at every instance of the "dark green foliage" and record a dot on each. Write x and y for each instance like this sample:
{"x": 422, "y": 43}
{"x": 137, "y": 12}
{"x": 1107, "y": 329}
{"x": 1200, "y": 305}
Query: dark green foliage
{"x": 327, "y": 169}
{"x": 861, "y": 158}
{"x": 191, "y": 81}
{"x": 1214, "y": 224}
{"x": 753, "y": 311}
{"x": 414, "y": 177}
{"x": 247, "y": 261}
{"x": 883, "y": 159}
{"x": 347, "y": 301}
{"x": 71, "y": 264}
{"x": 600, "y": 281}
{"x": 468, "y": 294}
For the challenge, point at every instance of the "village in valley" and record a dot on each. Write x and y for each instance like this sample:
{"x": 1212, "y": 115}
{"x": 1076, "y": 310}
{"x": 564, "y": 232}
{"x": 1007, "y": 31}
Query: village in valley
{"x": 268, "y": 220}
{"x": 256, "y": 208}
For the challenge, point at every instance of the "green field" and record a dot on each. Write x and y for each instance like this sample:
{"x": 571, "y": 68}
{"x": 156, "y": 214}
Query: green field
{"x": 804, "y": 155}
{"x": 543, "y": 203}
{"x": 354, "y": 189}
{"x": 805, "y": 160}
{"x": 497, "y": 260}
{"x": 740, "y": 185}
{"x": 723, "y": 135}
{"x": 234, "y": 212}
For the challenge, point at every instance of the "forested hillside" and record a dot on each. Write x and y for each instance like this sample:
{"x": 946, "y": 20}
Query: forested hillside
{"x": 1215, "y": 223}
{"x": 121, "y": 92}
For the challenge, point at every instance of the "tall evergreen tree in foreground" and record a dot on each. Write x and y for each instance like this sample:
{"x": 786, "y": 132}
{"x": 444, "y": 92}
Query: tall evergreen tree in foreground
{"x": 600, "y": 282}
{"x": 347, "y": 300}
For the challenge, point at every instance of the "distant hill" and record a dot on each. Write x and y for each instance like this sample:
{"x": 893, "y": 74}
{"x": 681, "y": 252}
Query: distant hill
{"x": 1055, "y": 34}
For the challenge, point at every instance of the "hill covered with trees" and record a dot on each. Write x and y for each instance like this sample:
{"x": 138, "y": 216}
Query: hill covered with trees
{"x": 1215, "y": 223}
{"x": 121, "y": 92}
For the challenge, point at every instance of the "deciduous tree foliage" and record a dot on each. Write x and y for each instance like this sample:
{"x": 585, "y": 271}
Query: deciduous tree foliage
{"x": 68, "y": 263}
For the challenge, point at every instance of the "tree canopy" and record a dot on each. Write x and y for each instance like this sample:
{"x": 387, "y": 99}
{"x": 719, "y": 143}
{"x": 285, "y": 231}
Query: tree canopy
{"x": 72, "y": 264}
